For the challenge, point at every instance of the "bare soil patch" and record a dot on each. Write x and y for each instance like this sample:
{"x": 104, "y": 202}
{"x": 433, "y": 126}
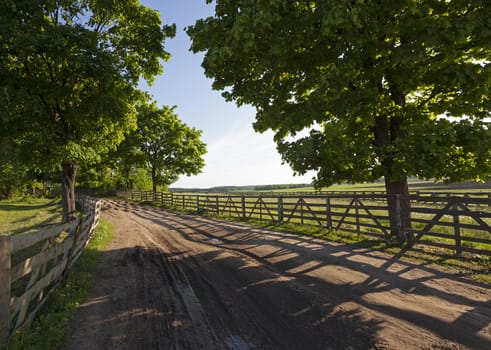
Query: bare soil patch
{"x": 175, "y": 281}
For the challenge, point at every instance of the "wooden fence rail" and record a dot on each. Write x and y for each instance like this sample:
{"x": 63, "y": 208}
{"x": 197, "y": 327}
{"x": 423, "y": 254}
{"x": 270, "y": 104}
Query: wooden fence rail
{"x": 32, "y": 265}
{"x": 460, "y": 223}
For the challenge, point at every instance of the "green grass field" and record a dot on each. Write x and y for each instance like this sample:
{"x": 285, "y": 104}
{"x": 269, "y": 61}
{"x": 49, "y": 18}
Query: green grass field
{"x": 28, "y": 215}
{"x": 414, "y": 185}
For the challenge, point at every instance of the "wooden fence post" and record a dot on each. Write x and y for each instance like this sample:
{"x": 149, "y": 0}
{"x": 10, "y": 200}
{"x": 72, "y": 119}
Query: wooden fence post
{"x": 280, "y": 209}
{"x": 400, "y": 228}
{"x": 357, "y": 213}
{"x": 75, "y": 232}
{"x": 456, "y": 225}
{"x": 328, "y": 212}
{"x": 301, "y": 209}
{"x": 260, "y": 200}
{"x": 243, "y": 207}
{"x": 5, "y": 278}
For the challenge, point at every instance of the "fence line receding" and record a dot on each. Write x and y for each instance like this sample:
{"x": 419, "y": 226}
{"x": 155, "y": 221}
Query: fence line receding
{"x": 461, "y": 223}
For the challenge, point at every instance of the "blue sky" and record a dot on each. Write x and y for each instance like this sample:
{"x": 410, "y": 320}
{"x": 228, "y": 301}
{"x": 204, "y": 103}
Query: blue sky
{"x": 236, "y": 154}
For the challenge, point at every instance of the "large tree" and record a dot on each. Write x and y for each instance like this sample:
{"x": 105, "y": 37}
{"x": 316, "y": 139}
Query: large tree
{"x": 164, "y": 144}
{"x": 69, "y": 72}
{"x": 388, "y": 88}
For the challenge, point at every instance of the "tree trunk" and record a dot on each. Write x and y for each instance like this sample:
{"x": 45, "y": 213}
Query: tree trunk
{"x": 399, "y": 207}
{"x": 387, "y": 131}
{"x": 154, "y": 184}
{"x": 68, "y": 175}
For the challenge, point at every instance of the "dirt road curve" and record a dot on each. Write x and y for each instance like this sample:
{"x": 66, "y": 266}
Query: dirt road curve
{"x": 173, "y": 281}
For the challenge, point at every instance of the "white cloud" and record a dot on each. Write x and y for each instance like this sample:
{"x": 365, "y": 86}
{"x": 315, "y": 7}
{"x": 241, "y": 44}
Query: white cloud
{"x": 242, "y": 157}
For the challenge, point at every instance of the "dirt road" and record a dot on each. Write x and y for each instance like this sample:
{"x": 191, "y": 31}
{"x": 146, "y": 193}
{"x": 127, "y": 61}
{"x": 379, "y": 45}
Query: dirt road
{"x": 174, "y": 281}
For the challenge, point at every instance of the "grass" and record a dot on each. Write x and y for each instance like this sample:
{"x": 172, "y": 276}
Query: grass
{"x": 414, "y": 185}
{"x": 28, "y": 215}
{"x": 52, "y": 325}
{"x": 337, "y": 187}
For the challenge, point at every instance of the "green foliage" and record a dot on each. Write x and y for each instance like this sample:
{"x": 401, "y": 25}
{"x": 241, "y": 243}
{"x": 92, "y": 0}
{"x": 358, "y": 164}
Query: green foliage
{"x": 368, "y": 82}
{"x": 14, "y": 175}
{"x": 50, "y": 329}
{"x": 17, "y": 179}
{"x": 98, "y": 176}
{"x": 70, "y": 72}
{"x": 140, "y": 179}
{"x": 164, "y": 144}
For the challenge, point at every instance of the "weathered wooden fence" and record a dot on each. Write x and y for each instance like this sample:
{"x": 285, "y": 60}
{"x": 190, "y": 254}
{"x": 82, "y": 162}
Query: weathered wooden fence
{"x": 33, "y": 264}
{"x": 460, "y": 223}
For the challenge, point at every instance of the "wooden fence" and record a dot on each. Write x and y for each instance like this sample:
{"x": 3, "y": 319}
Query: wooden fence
{"x": 460, "y": 223}
{"x": 33, "y": 264}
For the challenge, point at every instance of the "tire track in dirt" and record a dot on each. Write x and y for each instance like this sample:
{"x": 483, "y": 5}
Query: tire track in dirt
{"x": 174, "y": 281}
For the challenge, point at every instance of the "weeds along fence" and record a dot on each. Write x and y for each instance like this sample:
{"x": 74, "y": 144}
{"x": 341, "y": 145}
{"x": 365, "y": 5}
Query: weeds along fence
{"x": 461, "y": 224}
{"x": 32, "y": 265}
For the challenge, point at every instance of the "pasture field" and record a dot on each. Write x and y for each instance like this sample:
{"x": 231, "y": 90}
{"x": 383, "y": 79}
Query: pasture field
{"x": 28, "y": 215}
{"x": 414, "y": 185}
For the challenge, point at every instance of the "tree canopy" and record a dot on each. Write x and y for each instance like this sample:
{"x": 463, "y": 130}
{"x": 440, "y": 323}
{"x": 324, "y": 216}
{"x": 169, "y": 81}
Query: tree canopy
{"x": 381, "y": 88}
{"x": 13, "y": 173}
{"x": 69, "y": 72}
{"x": 164, "y": 144}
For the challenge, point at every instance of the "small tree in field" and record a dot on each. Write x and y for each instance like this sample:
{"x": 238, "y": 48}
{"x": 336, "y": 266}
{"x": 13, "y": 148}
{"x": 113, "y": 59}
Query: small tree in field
{"x": 383, "y": 88}
{"x": 166, "y": 145}
{"x": 69, "y": 73}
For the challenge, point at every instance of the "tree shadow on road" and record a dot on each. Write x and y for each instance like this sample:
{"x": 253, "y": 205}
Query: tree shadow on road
{"x": 148, "y": 298}
{"x": 305, "y": 261}
{"x": 283, "y": 287}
